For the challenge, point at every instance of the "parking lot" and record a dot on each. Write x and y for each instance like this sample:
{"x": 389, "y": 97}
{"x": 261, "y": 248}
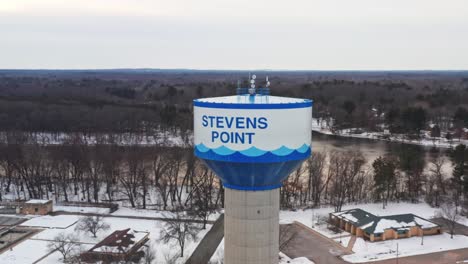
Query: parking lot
{"x": 312, "y": 245}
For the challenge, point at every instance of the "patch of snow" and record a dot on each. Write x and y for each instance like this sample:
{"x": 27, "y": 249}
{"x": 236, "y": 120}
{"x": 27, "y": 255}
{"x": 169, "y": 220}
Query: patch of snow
{"x": 367, "y": 225}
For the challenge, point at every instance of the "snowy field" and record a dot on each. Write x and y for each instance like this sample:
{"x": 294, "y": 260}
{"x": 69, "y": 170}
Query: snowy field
{"x": 25, "y": 253}
{"x": 35, "y": 247}
{"x": 370, "y": 251}
{"x": 364, "y": 251}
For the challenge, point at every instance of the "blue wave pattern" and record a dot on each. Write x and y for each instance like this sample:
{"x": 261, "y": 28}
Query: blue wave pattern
{"x": 252, "y": 154}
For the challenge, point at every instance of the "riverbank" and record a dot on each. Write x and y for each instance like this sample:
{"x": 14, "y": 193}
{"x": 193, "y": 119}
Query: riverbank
{"x": 426, "y": 141}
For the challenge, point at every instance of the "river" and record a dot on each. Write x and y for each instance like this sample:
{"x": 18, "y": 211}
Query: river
{"x": 372, "y": 149}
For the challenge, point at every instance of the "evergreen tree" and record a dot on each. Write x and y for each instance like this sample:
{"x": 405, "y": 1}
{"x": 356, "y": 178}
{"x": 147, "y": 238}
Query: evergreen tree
{"x": 459, "y": 158}
{"x": 384, "y": 178}
{"x": 411, "y": 162}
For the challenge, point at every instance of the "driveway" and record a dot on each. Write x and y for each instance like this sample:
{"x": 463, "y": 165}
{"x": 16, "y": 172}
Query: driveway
{"x": 314, "y": 246}
{"x": 458, "y": 230}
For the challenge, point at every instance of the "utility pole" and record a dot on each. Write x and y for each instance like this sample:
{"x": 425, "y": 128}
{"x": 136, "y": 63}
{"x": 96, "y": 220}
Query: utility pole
{"x": 313, "y": 225}
{"x": 422, "y": 237}
{"x": 396, "y": 253}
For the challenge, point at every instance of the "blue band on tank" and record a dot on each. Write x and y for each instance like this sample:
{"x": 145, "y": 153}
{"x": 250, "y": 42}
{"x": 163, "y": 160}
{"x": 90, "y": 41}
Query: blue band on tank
{"x": 249, "y": 188}
{"x": 252, "y": 176}
{"x": 306, "y": 103}
{"x": 268, "y": 157}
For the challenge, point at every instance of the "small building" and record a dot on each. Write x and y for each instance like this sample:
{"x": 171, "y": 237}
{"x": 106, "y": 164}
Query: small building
{"x": 121, "y": 245}
{"x": 36, "y": 207}
{"x": 378, "y": 228}
{"x": 465, "y": 133}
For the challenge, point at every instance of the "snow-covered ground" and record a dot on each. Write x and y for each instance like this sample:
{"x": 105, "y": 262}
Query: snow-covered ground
{"x": 24, "y": 253}
{"x": 160, "y": 138}
{"x": 36, "y": 247}
{"x": 125, "y": 211}
{"x": 364, "y": 251}
{"x": 81, "y": 209}
{"x": 305, "y": 216}
{"x": 218, "y": 257}
{"x": 370, "y": 251}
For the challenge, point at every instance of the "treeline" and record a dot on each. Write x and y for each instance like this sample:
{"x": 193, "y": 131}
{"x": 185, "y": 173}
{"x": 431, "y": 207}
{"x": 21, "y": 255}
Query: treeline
{"x": 122, "y": 101}
{"x": 338, "y": 178}
{"x": 142, "y": 177}
{"x": 173, "y": 178}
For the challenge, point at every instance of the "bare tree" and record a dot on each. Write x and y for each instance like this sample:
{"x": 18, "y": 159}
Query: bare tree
{"x": 92, "y": 224}
{"x": 450, "y": 214}
{"x": 345, "y": 168}
{"x": 179, "y": 229}
{"x": 66, "y": 245}
{"x": 131, "y": 180}
{"x": 202, "y": 194}
{"x": 316, "y": 182}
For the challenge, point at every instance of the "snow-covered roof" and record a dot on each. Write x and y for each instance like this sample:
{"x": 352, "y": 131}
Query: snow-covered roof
{"x": 378, "y": 224}
{"x": 403, "y": 221}
{"x": 38, "y": 201}
{"x": 356, "y": 216}
{"x": 120, "y": 241}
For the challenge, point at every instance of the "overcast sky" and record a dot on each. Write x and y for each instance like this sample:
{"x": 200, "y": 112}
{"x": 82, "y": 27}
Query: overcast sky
{"x": 235, "y": 34}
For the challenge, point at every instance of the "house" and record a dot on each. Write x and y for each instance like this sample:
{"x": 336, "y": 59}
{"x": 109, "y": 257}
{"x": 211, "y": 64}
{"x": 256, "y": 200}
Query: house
{"x": 378, "y": 228}
{"x": 121, "y": 245}
{"x": 36, "y": 207}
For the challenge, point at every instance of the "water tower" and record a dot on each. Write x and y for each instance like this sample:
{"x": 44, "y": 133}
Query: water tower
{"x": 252, "y": 141}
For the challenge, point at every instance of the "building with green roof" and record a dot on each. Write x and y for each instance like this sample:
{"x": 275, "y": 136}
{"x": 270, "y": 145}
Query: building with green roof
{"x": 377, "y": 228}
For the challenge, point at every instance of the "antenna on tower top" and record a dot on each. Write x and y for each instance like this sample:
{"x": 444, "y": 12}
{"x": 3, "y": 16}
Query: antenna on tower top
{"x": 252, "y": 90}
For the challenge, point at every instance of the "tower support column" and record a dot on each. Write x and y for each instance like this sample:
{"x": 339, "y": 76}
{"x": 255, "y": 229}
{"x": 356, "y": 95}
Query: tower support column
{"x": 251, "y": 228}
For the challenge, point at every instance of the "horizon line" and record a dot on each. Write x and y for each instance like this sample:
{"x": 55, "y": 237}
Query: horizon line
{"x": 232, "y": 70}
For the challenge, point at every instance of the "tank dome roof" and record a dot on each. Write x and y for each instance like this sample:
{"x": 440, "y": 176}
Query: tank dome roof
{"x": 255, "y": 101}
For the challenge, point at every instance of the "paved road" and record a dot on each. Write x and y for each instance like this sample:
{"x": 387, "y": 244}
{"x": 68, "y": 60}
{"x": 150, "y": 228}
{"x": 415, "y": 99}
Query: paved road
{"x": 446, "y": 257}
{"x": 208, "y": 245}
{"x": 131, "y": 217}
{"x": 312, "y": 245}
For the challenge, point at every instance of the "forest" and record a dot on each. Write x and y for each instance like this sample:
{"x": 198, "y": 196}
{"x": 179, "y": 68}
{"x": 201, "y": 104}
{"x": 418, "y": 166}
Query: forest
{"x": 144, "y": 101}
{"x": 76, "y": 104}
